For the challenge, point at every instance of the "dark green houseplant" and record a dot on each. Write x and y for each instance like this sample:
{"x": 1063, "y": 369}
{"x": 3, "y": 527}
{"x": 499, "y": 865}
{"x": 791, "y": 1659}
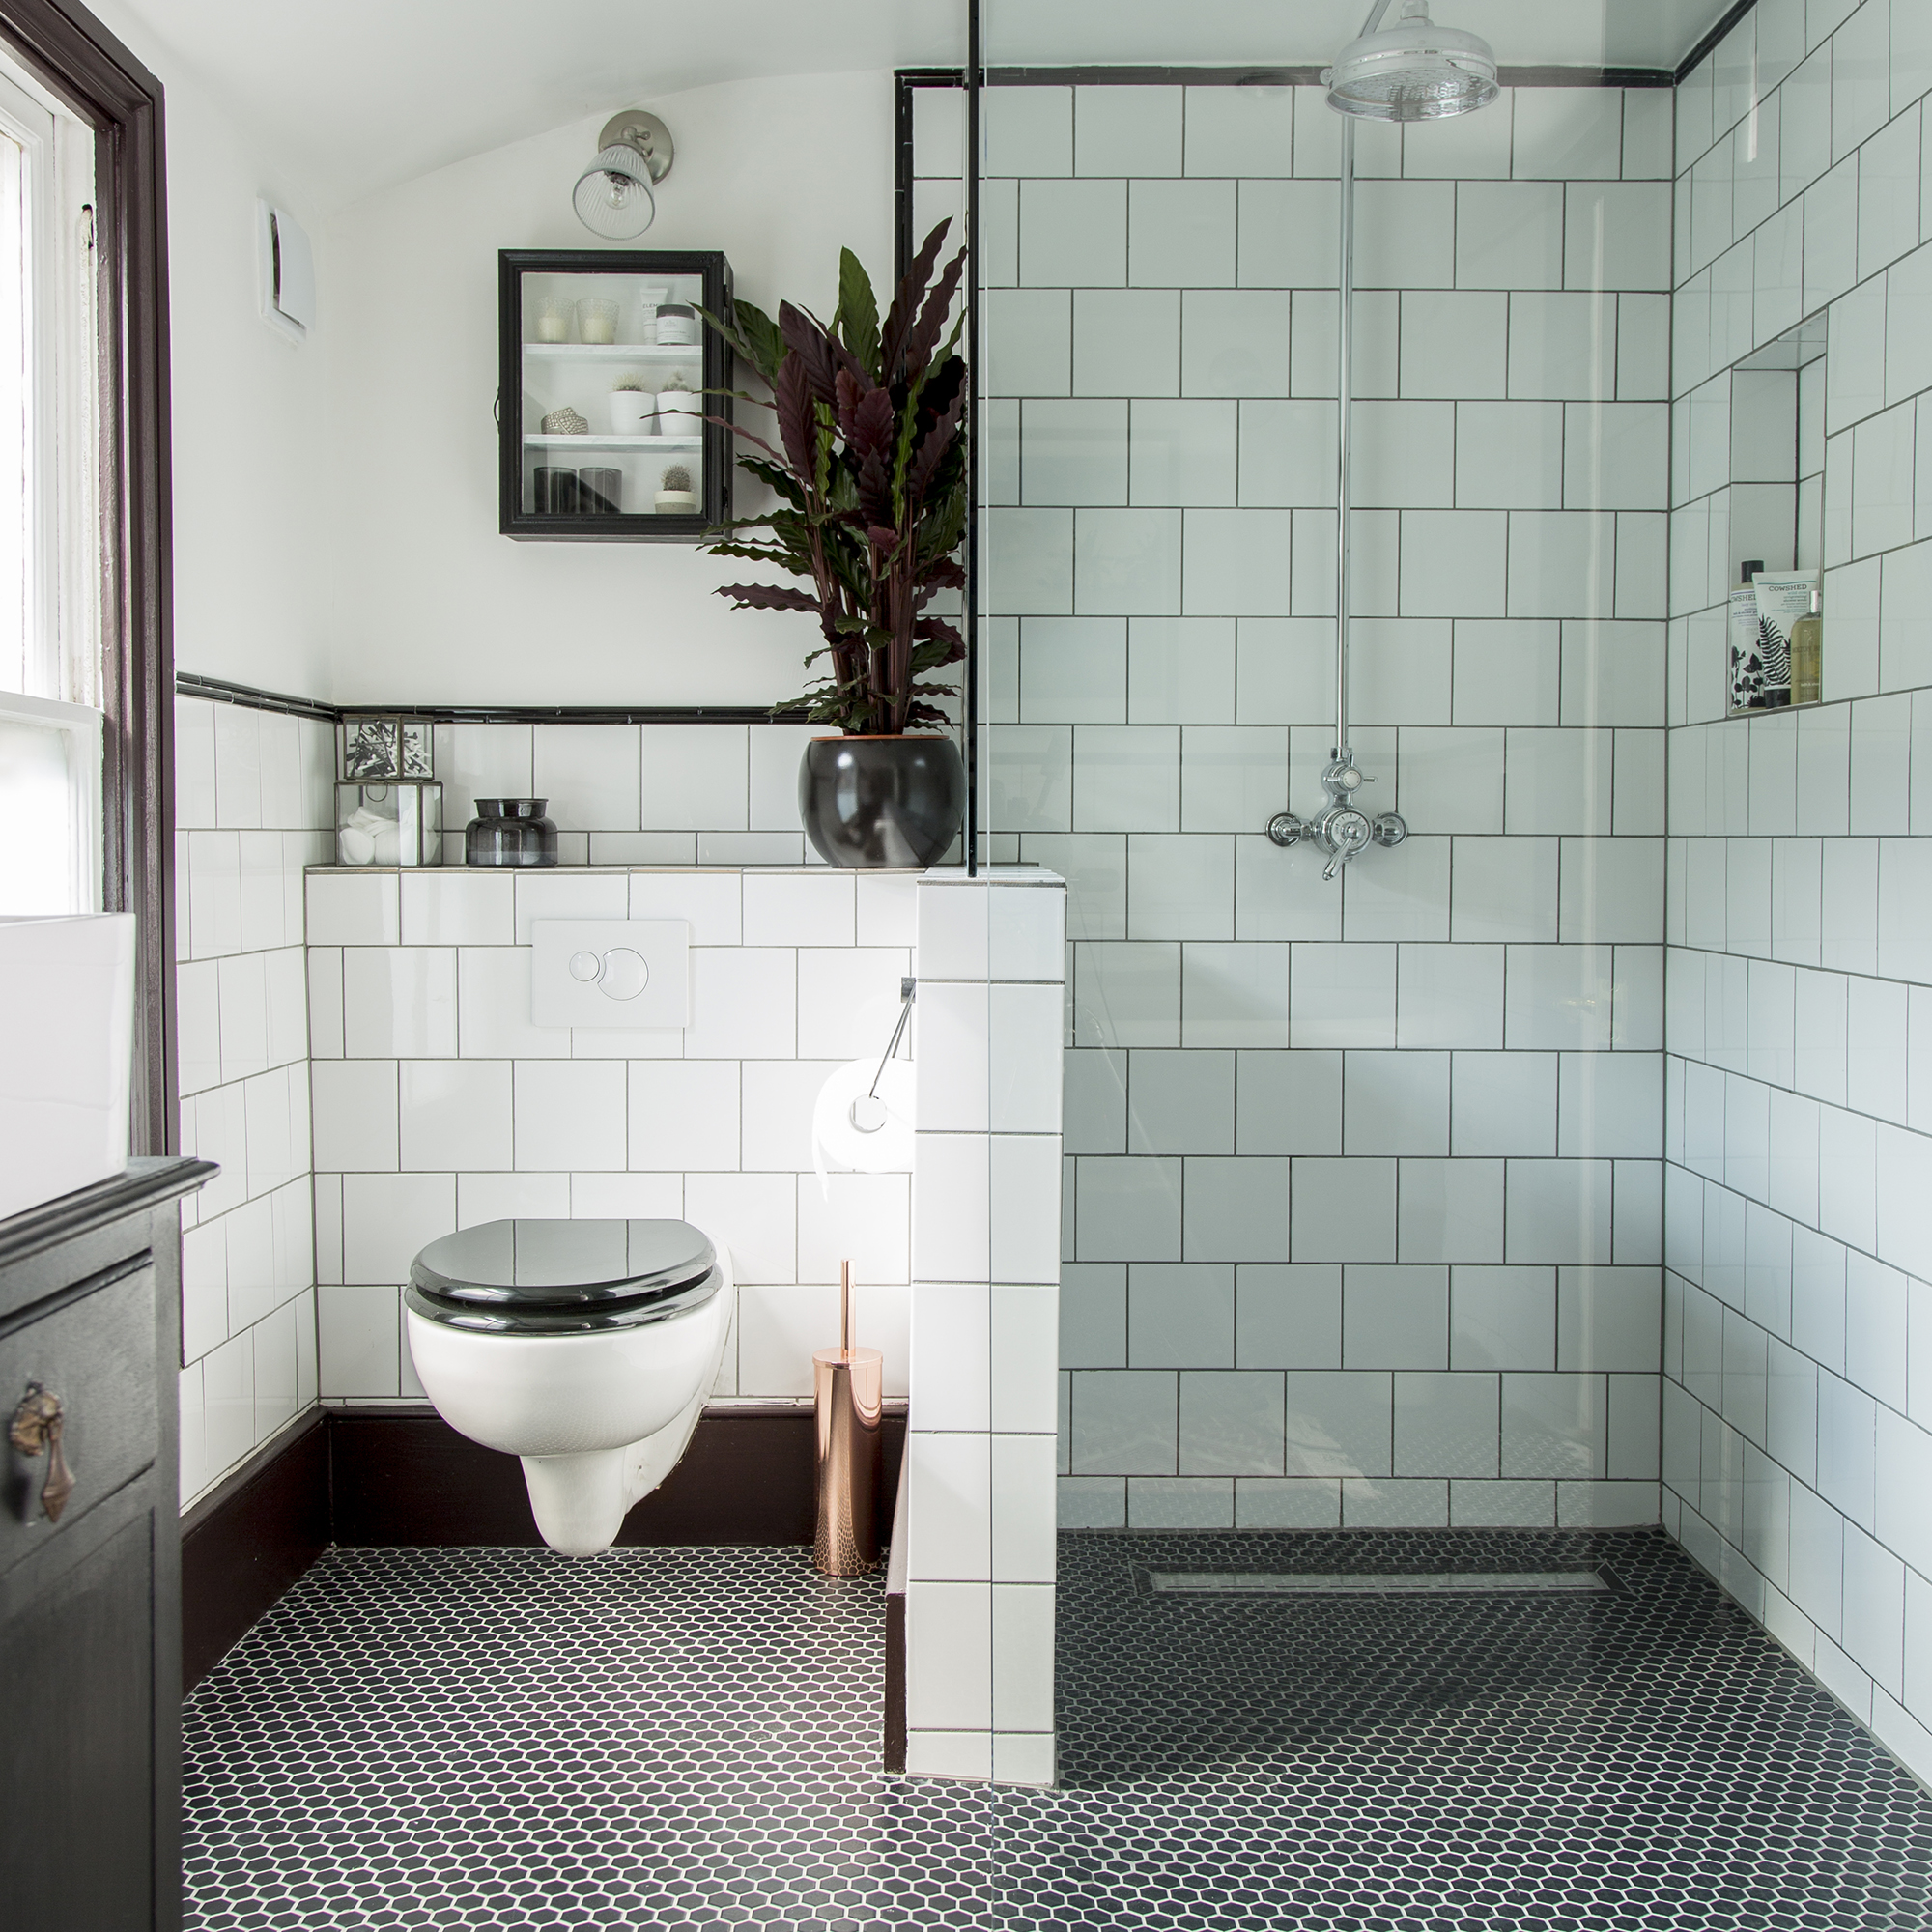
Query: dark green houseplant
{"x": 870, "y": 476}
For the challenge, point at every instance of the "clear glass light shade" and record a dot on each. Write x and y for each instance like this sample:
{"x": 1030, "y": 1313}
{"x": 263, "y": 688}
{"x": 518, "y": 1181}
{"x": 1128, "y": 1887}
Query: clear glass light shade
{"x": 613, "y": 195}
{"x": 1414, "y": 71}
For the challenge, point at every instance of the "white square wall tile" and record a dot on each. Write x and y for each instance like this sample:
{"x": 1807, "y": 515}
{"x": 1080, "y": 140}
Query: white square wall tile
{"x": 1025, "y": 1057}
{"x": 1025, "y": 1208}
{"x": 710, "y": 902}
{"x": 949, "y": 1661}
{"x": 355, "y": 1115}
{"x": 950, "y": 1500}
{"x": 743, "y": 1004}
{"x": 354, "y": 909}
{"x": 399, "y": 1002}
{"x": 589, "y": 773}
{"x": 778, "y": 1327}
{"x": 848, "y": 1001}
{"x": 696, "y": 777}
{"x": 682, "y": 1116}
{"x": 455, "y": 1114}
{"x": 754, "y": 1215}
{"x": 952, "y": 1032}
{"x": 798, "y": 909}
{"x": 451, "y": 908}
{"x": 357, "y": 1336}
{"x": 387, "y": 1219}
{"x": 950, "y": 1207}
{"x": 1023, "y": 1508}
{"x": 951, "y": 1364}
{"x": 570, "y": 1115}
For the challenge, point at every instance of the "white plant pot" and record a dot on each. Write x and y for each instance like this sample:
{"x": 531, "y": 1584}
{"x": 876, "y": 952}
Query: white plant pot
{"x": 682, "y": 502}
{"x": 677, "y": 413}
{"x": 633, "y": 412}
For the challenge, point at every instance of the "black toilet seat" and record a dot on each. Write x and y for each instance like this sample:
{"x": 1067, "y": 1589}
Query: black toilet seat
{"x": 550, "y": 1277}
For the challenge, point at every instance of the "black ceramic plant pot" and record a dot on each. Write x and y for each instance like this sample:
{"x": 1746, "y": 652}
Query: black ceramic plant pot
{"x": 881, "y": 800}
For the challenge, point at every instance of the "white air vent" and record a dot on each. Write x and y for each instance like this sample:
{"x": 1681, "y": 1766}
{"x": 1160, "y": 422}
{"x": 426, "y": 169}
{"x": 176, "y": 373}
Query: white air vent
{"x": 287, "y": 264}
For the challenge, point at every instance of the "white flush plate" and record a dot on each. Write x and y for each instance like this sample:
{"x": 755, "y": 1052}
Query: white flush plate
{"x": 610, "y": 972}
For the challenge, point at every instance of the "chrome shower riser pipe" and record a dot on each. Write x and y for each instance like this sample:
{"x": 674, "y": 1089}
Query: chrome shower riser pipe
{"x": 1344, "y": 395}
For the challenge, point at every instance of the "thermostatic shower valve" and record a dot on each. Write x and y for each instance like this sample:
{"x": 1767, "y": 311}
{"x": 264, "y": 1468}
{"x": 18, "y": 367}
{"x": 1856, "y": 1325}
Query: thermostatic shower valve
{"x": 1342, "y": 828}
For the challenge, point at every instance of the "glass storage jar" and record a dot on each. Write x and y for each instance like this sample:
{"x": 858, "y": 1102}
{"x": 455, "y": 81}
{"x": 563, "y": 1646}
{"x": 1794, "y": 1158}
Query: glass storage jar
{"x": 395, "y": 822}
{"x": 510, "y": 832}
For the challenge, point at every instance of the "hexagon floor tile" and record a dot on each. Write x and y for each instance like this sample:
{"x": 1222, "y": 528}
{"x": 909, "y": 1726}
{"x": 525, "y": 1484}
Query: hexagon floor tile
{"x": 685, "y": 1738}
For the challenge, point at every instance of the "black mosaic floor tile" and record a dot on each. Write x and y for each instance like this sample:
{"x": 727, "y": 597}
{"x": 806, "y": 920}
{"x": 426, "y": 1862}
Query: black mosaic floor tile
{"x": 689, "y": 1738}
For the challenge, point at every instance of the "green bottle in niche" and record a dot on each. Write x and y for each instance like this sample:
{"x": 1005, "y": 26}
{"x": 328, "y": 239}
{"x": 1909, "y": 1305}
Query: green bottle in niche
{"x": 1807, "y": 653}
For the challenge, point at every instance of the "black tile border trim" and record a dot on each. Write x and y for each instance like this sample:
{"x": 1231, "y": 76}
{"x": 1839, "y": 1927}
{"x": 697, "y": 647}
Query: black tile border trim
{"x": 219, "y": 691}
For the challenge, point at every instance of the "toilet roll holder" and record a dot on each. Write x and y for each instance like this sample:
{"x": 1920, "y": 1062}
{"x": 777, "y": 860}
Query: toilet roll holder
{"x": 867, "y": 1112}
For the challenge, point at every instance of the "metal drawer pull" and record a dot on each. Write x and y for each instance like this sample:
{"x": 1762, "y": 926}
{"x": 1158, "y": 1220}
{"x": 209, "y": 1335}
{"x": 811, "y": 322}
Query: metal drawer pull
{"x": 38, "y": 1421}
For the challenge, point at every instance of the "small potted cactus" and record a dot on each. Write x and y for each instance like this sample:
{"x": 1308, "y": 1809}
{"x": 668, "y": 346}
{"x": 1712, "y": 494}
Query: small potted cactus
{"x": 678, "y": 410}
{"x": 675, "y": 494}
{"x": 633, "y": 406}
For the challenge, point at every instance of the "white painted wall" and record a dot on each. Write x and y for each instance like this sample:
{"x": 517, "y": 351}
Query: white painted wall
{"x": 250, "y": 406}
{"x": 428, "y": 601}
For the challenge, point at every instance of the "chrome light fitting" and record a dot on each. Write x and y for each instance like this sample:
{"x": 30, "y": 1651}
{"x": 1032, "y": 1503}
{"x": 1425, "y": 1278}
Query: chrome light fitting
{"x": 613, "y": 195}
{"x": 1414, "y": 71}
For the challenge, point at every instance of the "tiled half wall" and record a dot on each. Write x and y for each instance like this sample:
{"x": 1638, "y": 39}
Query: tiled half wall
{"x": 439, "y": 1104}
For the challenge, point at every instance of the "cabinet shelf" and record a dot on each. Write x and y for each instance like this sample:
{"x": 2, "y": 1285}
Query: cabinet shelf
{"x": 616, "y": 352}
{"x": 594, "y": 442}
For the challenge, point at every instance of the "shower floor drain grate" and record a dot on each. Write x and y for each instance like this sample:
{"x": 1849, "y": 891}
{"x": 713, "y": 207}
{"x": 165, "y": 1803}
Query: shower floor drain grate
{"x": 1247, "y": 1583}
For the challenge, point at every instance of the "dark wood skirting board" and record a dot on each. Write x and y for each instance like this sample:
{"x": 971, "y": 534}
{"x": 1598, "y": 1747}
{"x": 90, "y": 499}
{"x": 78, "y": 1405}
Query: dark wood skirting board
{"x": 246, "y": 1543}
{"x": 895, "y": 1634}
{"x": 390, "y": 1476}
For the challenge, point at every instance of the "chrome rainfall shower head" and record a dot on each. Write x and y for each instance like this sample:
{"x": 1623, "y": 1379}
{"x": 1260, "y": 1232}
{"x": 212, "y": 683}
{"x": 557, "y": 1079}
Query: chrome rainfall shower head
{"x": 1414, "y": 71}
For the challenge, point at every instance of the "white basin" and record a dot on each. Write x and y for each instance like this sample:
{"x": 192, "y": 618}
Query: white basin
{"x": 66, "y": 1054}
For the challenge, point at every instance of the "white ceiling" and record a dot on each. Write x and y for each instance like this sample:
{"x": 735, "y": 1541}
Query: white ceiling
{"x": 355, "y": 95}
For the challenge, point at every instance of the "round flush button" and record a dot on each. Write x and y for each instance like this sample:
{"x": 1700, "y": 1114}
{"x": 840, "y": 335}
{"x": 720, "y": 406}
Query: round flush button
{"x": 583, "y": 966}
{"x": 625, "y": 974}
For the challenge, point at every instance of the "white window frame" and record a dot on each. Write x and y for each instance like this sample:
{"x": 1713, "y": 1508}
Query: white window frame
{"x": 81, "y": 727}
{"x": 63, "y": 670}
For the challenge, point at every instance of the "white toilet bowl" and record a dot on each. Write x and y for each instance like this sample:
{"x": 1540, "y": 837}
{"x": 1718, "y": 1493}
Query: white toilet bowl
{"x": 585, "y": 1348}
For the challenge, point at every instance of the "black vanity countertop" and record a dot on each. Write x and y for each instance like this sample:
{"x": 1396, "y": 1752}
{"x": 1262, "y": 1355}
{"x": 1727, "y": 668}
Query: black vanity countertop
{"x": 147, "y": 1182}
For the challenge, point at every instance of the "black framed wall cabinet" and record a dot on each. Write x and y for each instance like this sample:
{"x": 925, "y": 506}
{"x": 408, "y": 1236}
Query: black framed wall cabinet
{"x": 612, "y": 398}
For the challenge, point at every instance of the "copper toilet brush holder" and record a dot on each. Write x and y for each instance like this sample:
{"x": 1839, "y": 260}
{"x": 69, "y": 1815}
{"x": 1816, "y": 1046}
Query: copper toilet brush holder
{"x": 847, "y": 1384}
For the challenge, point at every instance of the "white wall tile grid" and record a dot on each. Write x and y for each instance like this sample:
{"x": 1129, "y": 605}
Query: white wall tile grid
{"x": 1363, "y": 1200}
{"x": 1797, "y": 1395}
{"x": 981, "y": 1449}
{"x": 437, "y": 1104}
{"x": 254, "y": 795}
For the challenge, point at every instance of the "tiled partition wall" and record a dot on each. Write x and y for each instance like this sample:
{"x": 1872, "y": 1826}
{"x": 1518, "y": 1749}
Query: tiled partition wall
{"x": 1364, "y": 1181}
{"x": 439, "y": 1104}
{"x": 252, "y": 792}
{"x": 981, "y": 1451}
{"x": 1798, "y": 1461}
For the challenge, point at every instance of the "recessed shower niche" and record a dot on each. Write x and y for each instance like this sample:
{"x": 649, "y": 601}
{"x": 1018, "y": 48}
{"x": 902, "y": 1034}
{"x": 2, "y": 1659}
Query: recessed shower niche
{"x": 1773, "y": 402}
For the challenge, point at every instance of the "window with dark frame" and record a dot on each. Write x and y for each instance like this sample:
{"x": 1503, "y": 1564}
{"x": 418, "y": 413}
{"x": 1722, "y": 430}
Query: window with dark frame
{"x": 86, "y": 642}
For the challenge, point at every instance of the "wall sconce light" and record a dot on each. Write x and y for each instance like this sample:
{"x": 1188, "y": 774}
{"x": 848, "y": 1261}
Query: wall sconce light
{"x": 613, "y": 197}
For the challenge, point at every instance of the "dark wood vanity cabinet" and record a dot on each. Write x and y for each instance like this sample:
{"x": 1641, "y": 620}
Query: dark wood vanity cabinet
{"x": 90, "y": 1613}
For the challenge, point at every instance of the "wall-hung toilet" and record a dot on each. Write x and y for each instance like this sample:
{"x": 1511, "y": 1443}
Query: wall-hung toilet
{"x": 585, "y": 1347}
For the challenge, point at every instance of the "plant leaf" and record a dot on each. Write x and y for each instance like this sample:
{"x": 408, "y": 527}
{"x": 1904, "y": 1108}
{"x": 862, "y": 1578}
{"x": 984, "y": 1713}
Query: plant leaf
{"x": 858, "y": 319}
{"x": 769, "y": 597}
{"x": 906, "y": 302}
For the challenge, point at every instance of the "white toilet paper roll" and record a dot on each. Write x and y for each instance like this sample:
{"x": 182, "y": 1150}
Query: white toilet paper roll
{"x": 872, "y": 1135}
